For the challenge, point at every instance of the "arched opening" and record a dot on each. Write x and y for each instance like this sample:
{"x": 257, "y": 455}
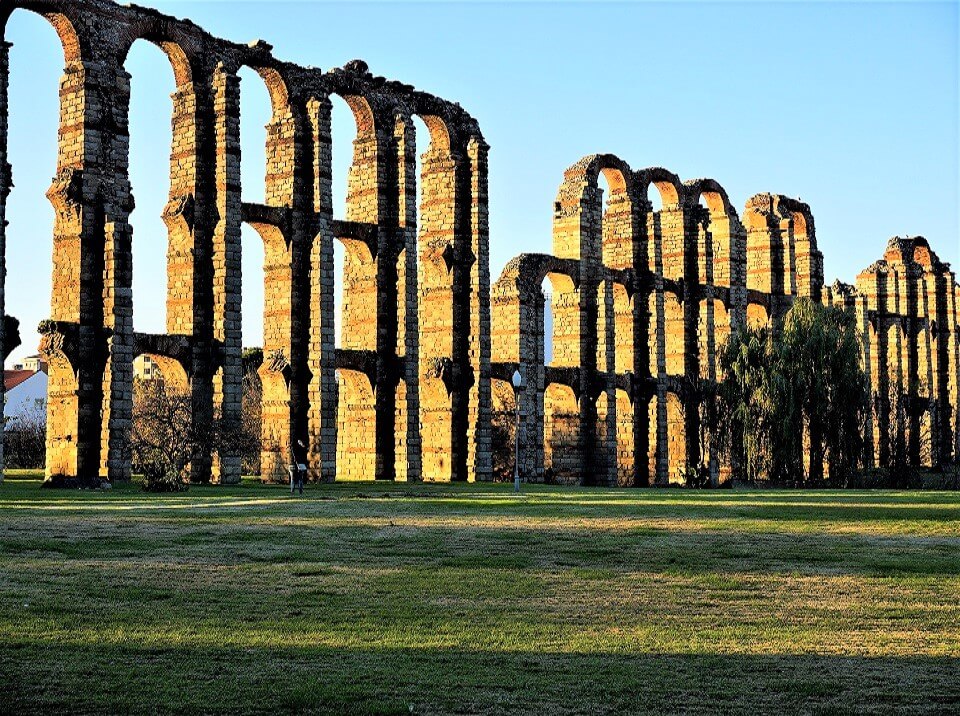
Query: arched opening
{"x": 36, "y": 61}
{"x": 421, "y": 133}
{"x": 622, "y": 330}
{"x": 654, "y": 198}
{"x": 617, "y": 233}
{"x": 546, "y": 288}
{"x": 564, "y": 320}
{"x": 625, "y": 442}
{"x": 355, "y": 198}
{"x": 343, "y": 133}
{"x": 604, "y": 464}
{"x": 152, "y": 86}
{"x": 674, "y": 327}
{"x": 757, "y": 315}
{"x": 722, "y": 237}
{"x": 562, "y": 452}
{"x": 665, "y": 230}
{"x": 504, "y": 429}
{"x": 676, "y": 439}
{"x": 255, "y": 114}
{"x": 356, "y": 419}
{"x": 443, "y": 406}
{"x": 339, "y": 266}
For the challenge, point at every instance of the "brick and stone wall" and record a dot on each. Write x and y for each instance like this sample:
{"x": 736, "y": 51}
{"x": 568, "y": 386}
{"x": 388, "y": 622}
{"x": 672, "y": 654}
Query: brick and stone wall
{"x": 642, "y": 299}
{"x": 407, "y": 395}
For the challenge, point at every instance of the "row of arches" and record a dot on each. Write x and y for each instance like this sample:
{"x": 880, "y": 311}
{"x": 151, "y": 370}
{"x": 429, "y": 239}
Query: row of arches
{"x": 648, "y": 278}
{"x": 347, "y": 359}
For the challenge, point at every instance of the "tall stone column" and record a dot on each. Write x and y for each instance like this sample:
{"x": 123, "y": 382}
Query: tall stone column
{"x": 116, "y": 201}
{"x": 227, "y": 279}
{"x": 286, "y": 226}
{"x": 190, "y": 218}
{"x": 91, "y": 200}
{"x": 322, "y": 360}
{"x": 408, "y": 462}
{"x": 443, "y": 404}
{"x": 479, "y": 450}
{"x": 577, "y": 233}
{"x": 367, "y": 411}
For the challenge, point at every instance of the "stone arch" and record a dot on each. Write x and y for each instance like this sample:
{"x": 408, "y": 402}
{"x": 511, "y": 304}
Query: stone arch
{"x": 626, "y": 456}
{"x": 727, "y": 236}
{"x": 757, "y": 315}
{"x": 563, "y": 459}
{"x": 664, "y": 230}
{"x": 75, "y": 47}
{"x": 174, "y": 373}
{"x": 356, "y": 426}
{"x": 582, "y": 228}
{"x": 504, "y": 436}
{"x": 676, "y": 445}
{"x": 157, "y": 246}
{"x": 675, "y": 329}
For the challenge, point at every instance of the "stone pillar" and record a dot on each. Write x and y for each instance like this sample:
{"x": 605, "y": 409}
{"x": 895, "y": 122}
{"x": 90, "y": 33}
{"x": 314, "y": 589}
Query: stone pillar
{"x": 286, "y": 227}
{"x": 117, "y": 307}
{"x": 322, "y": 361}
{"x": 408, "y": 462}
{"x": 366, "y": 436}
{"x": 88, "y": 183}
{"x": 189, "y": 216}
{"x": 605, "y": 463}
{"x": 445, "y": 182}
{"x": 675, "y": 233}
{"x": 765, "y": 252}
{"x": 479, "y": 455}
{"x": 577, "y": 234}
{"x": 657, "y": 348}
{"x": 693, "y": 220}
{"x": 227, "y": 279}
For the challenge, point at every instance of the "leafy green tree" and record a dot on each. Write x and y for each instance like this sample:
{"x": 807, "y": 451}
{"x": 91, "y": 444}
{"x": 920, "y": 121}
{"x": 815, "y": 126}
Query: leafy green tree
{"x": 796, "y": 396}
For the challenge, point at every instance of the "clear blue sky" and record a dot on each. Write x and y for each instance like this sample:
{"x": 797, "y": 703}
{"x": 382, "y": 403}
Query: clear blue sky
{"x": 851, "y": 107}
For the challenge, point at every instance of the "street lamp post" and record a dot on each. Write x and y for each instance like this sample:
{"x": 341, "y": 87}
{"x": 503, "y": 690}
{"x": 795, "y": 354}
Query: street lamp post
{"x": 517, "y": 392}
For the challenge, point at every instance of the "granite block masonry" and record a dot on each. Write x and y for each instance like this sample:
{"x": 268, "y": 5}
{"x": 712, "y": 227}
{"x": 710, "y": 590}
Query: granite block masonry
{"x": 642, "y": 299}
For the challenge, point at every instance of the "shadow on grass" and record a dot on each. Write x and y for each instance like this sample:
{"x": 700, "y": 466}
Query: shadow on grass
{"x": 417, "y": 680}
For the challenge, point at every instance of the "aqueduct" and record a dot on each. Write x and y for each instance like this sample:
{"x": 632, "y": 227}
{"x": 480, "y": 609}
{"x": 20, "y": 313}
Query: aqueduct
{"x": 642, "y": 298}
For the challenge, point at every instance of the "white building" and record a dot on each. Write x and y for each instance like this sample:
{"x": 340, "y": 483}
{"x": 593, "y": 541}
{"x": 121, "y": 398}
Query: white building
{"x": 25, "y": 396}
{"x": 31, "y": 363}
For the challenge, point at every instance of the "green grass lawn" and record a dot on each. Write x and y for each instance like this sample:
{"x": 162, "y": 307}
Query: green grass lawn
{"x": 466, "y": 599}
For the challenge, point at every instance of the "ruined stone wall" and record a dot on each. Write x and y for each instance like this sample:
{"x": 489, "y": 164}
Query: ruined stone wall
{"x": 644, "y": 299}
{"x": 906, "y": 308}
{"x": 407, "y": 394}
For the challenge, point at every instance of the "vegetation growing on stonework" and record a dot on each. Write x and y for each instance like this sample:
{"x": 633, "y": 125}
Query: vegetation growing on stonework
{"x": 795, "y": 398}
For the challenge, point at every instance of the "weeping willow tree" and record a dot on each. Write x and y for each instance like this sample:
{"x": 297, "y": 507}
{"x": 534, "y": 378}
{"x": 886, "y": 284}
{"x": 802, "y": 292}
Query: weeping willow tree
{"x": 794, "y": 397}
